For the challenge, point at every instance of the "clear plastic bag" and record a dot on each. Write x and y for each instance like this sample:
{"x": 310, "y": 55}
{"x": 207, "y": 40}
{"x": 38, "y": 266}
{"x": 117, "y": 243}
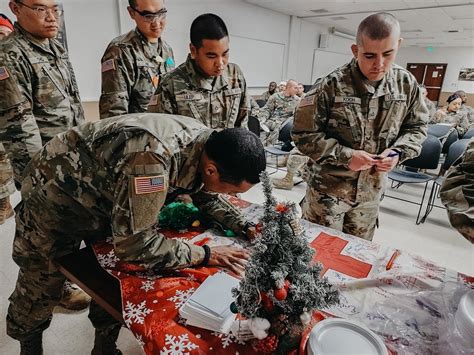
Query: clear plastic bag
{"x": 422, "y": 322}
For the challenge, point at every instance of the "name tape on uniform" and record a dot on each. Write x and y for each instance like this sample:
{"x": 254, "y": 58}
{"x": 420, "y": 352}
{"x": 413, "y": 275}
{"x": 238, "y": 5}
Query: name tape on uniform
{"x": 307, "y": 101}
{"x": 396, "y": 97}
{"x": 108, "y": 65}
{"x": 4, "y": 73}
{"x": 231, "y": 92}
{"x": 188, "y": 97}
{"x": 347, "y": 100}
{"x": 149, "y": 184}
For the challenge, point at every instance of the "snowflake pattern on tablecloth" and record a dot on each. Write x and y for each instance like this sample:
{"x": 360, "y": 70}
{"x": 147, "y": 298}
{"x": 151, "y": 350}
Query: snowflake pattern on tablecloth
{"x": 107, "y": 260}
{"x": 140, "y": 340}
{"x": 135, "y": 313}
{"x": 180, "y": 345}
{"x": 148, "y": 285}
{"x": 227, "y": 339}
{"x": 191, "y": 277}
{"x": 181, "y": 296}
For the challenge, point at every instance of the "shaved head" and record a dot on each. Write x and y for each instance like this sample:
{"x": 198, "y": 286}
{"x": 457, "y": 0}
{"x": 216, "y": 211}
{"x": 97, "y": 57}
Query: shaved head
{"x": 377, "y": 27}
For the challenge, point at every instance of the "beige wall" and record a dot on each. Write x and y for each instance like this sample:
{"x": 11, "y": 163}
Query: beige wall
{"x": 91, "y": 110}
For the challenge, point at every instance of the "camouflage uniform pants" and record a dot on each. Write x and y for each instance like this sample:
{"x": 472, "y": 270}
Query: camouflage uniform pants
{"x": 39, "y": 285}
{"x": 358, "y": 219}
{"x": 274, "y": 125}
{"x": 7, "y": 186}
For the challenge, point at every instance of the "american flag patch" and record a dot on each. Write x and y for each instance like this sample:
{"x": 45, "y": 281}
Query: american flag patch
{"x": 4, "y": 73}
{"x": 108, "y": 65}
{"x": 149, "y": 184}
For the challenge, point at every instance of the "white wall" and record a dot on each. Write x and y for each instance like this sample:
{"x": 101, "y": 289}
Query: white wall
{"x": 455, "y": 57}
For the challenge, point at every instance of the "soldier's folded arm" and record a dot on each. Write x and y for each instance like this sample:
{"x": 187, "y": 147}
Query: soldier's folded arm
{"x": 217, "y": 209}
{"x": 18, "y": 128}
{"x": 117, "y": 79}
{"x": 135, "y": 217}
{"x": 309, "y": 132}
{"x": 413, "y": 130}
{"x": 266, "y": 111}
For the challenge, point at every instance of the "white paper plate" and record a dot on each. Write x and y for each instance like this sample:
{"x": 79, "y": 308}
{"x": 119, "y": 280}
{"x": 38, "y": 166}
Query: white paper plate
{"x": 341, "y": 336}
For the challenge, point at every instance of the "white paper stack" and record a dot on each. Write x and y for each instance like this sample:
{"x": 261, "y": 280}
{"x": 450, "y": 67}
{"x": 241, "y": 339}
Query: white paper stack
{"x": 209, "y": 306}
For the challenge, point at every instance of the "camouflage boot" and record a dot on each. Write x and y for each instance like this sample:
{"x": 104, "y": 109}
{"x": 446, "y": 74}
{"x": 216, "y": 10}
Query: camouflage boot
{"x": 32, "y": 346}
{"x": 106, "y": 344}
{"x": 6, "y": 210}
{"x": 286, "y": 183}
{"x": 73, "y": 298}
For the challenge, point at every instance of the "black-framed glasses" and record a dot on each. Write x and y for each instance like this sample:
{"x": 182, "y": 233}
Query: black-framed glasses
{"x": 152, "y": 16}
{"x": 42, "y": 11}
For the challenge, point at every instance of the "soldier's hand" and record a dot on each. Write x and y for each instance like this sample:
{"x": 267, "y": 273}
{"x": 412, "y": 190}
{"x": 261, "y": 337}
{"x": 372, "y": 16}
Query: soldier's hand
{"x": 361, "y": 160}
{"x": 386, "y": 163}
{"x": 231, "y": 258}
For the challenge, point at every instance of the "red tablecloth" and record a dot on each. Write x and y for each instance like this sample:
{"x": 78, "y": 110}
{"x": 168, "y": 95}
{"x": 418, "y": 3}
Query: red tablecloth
{"x": 151, "y": 301}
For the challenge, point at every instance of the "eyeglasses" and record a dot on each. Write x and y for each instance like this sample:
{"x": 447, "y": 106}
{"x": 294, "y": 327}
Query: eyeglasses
{"x": 152, "y": 17}
{"x": 42, "y": 11}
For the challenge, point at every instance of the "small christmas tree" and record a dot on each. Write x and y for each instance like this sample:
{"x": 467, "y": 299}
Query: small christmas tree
{"x": 282, "y": 284}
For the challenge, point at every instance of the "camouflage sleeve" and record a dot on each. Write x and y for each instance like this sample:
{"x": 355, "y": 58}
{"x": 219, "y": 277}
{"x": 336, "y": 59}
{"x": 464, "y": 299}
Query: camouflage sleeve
{"x": 117, "y": 77}
{"x": 309, "y": 134}
{"x": 266, "y": 111}
{"x": 457, "y": 194}
{"x": 216, "y": 208}
{"x": 7, "y": 186}
{"x": 18, "y": 129}
{"x": 138, "y": 198}
{"x": 413, "y": 130}
{"x": 438, "y": 117}
{"x": 462, "y": 123}
{"x": 244, "y": 107}
{"x": 164, "y": 100}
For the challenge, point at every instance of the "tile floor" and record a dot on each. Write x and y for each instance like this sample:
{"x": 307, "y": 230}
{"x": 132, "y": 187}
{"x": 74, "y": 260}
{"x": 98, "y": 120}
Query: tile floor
{"x": 435, "y": 240}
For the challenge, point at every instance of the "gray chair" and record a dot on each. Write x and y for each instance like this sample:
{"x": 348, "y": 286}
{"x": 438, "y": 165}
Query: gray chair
{"x": 261, "y": 102}
{"x": 469, "y": 134}
{"x": 456, "y": 150}
{"x": 284, "y": 139}
{"x": 428, "y": 159}
{"x": 438, "y": 130}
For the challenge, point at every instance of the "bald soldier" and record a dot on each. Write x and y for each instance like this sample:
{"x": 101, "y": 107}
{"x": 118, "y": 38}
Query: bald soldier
{"x": 356, "y": 124}
{"x": 457, "y": 193}
{"x": 279, "y": 107}
{"x": 206, "y": 87}
{"x": 111, "y": 178}
{"x": 133, "y": 63}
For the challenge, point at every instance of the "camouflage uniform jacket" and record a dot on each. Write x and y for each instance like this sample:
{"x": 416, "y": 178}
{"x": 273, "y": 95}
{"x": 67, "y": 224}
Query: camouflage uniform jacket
{"x": 217, "y": 102}
{"x": 266, "y": 95}
{"x": 111, "y": 178}
{"x": 39, "y": 97}
{"x": 131, "y": 70}
{"x": 430, "y": 105}
{"x": 342, "y": 113}
{"x": 460, "y": 120}
{"x": 277, "y": 109}
{"x": 457, "y": 193}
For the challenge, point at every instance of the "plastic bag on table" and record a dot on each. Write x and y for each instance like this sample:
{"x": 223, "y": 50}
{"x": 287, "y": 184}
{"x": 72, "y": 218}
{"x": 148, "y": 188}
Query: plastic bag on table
{"x": 422, "y": 322}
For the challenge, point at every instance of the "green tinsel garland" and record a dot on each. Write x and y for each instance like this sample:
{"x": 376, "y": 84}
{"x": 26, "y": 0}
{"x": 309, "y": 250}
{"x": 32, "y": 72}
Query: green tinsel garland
{"x": 179, "y": 215}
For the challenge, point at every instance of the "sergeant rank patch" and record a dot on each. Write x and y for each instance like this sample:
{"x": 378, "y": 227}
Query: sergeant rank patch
{"x": 4, "y": 73}
{"x": 149, "y": 184}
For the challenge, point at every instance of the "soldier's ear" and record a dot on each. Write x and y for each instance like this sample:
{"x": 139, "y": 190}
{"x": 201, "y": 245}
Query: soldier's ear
{"x": 355, "y": 50}
{"x": 14, "y": 7}
{"x": 193, "y": 51}
{"x": 131, "y": 12}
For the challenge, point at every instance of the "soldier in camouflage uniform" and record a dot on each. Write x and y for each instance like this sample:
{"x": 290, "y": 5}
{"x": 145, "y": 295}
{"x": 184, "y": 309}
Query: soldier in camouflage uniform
{"x": 7, "y": 186}
{"x": 430, "y": 105}
{"x": 39, "y": 97}
{"x": 452, "y": 114}
{"x": 206, "y": 87}
{"x": 278, "y": 109}
{"x": 464, "y": 107}
{"x": 111, "y": 178}
{"x": 133, "y": 63}
{"x": 356, "y": 124}
{"x": 457, "y": 193}
{"x": 272, "y": 89}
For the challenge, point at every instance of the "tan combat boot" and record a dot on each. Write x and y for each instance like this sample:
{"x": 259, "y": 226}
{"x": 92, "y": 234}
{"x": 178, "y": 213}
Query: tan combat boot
{"x": 6, "y": 210}
{"x": 286, "y": 183}
{"x": 282, "y": 161}
{"x": 73, "y": 298}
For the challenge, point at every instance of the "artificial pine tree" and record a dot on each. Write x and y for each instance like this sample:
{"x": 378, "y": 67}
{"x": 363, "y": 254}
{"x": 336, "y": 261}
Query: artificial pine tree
{"x": 282, "y": 284}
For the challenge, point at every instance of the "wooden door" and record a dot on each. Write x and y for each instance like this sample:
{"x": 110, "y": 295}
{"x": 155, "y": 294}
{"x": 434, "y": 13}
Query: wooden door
{"x": 418, "y": 71}
{"x": 431, "y": 76}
